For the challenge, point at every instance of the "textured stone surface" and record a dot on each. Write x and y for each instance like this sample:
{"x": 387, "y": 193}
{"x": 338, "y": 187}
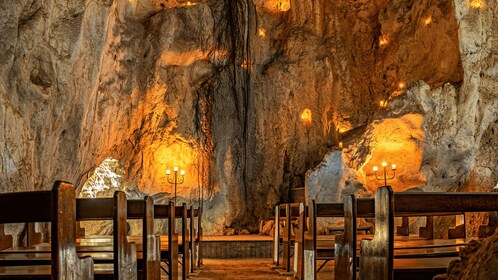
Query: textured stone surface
{"x": 219, "y": 88}
{"x": 478, "y": 261}
{"x": 441, "y": 134}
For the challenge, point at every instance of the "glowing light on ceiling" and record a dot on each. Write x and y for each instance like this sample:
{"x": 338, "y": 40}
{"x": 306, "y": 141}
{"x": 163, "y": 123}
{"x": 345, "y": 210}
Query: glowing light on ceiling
{"x": 342, "y": 129}
{"x": 306, "y": 116}
{"x": 261, "y": 32}
{"x": 383, "y": 40}
{"x": 428, "y": 20}
{"x": 477, "y": 4}
{"x": 246, "y": 65}
{"x": 401, "y": 85}
{"x": 283, "y": 5}
{"x": 383, "y": 103}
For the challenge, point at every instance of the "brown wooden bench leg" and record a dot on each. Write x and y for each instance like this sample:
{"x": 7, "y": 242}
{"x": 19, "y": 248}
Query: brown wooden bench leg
{"x": 5, "y": 240}
{"x": 428, "y": 230}
{"x": 490, "y": 228}
{"x": 404, "y": 229}
{"x": 32, "y": 237}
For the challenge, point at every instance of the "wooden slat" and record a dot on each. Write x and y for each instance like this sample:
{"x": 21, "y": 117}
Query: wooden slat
{"x": 376, "y": 260}
{"x": 125, "y": 264}
{"x": 151, "y": 242}
{"x": 25, "y": 207}
{"x": 345, "y": 244}
{"x": 66, "y": 264}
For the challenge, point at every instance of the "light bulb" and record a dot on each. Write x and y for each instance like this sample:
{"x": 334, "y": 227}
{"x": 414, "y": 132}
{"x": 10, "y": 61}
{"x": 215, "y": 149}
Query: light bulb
{"x": 175, "y": 168}
{"x": 168, "y": 172}
{"x": 393, "y": 166}
{"x": 182, "y": 172}
{"x": 384, "y": 164}
{"x": 375, "y": 169}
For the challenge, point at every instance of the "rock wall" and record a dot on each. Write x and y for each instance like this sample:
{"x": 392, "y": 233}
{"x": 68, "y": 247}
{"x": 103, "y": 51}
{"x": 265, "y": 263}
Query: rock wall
{"x": 452, "y": 144}
{"x": 246, "y": 95}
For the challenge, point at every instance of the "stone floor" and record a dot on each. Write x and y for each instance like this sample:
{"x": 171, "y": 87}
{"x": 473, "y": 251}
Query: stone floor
{"x": 246, "y": 269}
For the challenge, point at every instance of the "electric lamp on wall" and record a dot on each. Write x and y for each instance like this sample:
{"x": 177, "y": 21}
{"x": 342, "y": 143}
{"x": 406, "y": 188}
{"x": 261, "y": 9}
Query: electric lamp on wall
{"x": 306, "y": 117}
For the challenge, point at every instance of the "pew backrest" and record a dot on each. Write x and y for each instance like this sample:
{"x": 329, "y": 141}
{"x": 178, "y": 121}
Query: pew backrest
{"x": 58, "y": 207}
{"x": 345, "y": 243}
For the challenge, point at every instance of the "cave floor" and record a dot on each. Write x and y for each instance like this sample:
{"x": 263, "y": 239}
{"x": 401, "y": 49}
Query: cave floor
{"x": 245, "y": 269}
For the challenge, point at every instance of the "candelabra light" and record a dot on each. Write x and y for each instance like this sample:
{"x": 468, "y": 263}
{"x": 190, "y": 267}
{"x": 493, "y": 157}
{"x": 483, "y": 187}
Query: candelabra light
{"x": 175, "y": 179}
{"x": 385, "y": 177}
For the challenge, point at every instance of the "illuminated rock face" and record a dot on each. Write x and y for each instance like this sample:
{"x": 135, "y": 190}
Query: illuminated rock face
{"x": 219, "y": 88}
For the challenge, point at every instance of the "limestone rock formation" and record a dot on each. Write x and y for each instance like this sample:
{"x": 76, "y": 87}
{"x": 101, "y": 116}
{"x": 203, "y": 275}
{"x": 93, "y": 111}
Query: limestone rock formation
{"x": 441, "y": 136}
{"x": 246, "y": 95}
{"x": 478, "y": 261}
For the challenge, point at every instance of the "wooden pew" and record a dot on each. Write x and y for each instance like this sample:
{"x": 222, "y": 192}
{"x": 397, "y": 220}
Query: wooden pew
{"x": 58, "y": 207}
{"x": 149, "y": 244}
{"x": 377, "y": 255}
{"x": 317, "y": 247}
{"x": 116, "y": 209}
{"x": 285, "y": 214}
{"x": 124, "y": 260}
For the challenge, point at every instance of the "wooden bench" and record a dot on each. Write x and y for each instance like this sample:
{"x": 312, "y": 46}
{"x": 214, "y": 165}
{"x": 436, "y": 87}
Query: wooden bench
{"x": 152, "y": 249}
{"x": 285, "y": 214}
{"x": 341, "y": 249}
{"x": 58, "y": 207}
{"x": 123, "y": 260}
{"x": 316, "y": 247}
{"x": 377, "y": 255}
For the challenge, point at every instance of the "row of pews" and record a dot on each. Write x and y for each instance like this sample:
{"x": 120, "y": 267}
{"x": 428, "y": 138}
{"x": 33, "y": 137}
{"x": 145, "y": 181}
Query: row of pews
{"x": 115, "y": 257}
{"x": 383, "y": 255}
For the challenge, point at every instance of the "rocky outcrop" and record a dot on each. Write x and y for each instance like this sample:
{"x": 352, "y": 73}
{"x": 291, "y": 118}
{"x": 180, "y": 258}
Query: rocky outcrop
{"x": 246, "y": 96}
{"x": 478, "y": 261}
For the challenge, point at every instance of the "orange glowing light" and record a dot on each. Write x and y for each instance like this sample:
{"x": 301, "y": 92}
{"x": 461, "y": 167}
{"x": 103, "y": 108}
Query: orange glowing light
{"x": 477, "y": 4}
{"x": 246, "y": 65}
{"x": 383, "y": 40}
{"x": 401, "y": 85}
{"x": 173, "y": 156}
{"x": 428, "y": 20}
{"x": 306, "y": 116}
{"x": 283, "y": 5}
{"x": 396, "y": 143}
{"x": 262, "y": 32}
{"x": 383, "y": 104}
{"x": 342, "y": 129}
